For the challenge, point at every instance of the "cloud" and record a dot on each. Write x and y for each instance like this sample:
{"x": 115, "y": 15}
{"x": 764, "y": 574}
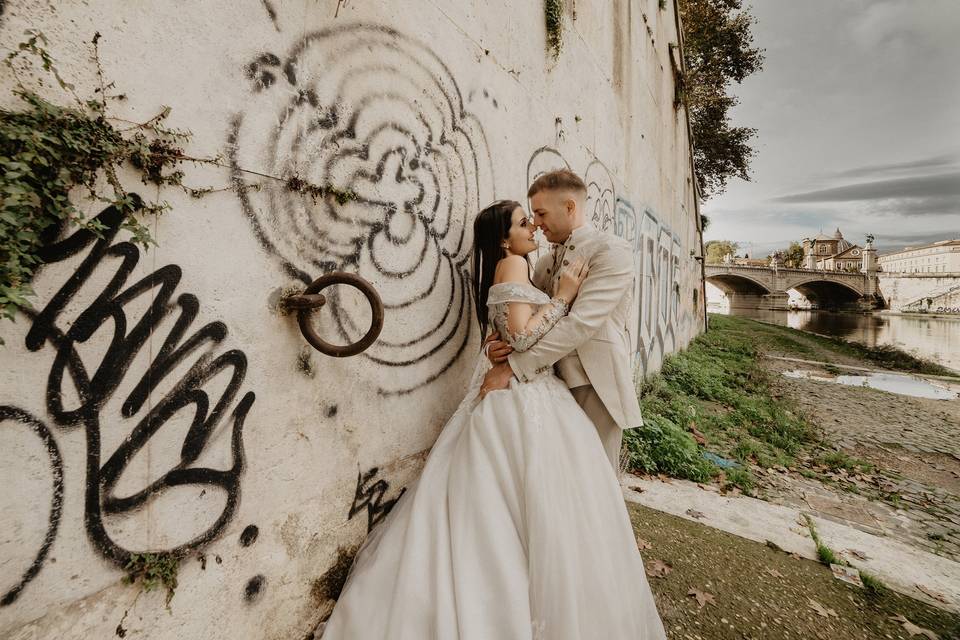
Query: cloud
{"x": 933, "y": 205}
{"x": 935, "y": 162}
{"x": 926, "y": 27}
{"x": 915, "y": 195}
{"x": 893, "y": 242}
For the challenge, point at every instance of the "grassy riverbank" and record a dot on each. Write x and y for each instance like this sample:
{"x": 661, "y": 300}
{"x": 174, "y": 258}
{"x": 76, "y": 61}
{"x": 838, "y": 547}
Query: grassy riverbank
{"x": 717, "y": 396}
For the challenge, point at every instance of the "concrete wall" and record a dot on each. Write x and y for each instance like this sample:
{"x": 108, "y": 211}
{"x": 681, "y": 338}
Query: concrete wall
{"x": 902, "y": 289}
{"x": 240, "y": 449}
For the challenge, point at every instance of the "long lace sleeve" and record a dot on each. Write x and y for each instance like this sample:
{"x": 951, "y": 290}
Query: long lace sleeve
{"x": 542, "y": 321}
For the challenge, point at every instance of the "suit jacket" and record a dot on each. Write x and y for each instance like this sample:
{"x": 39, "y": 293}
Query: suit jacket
{"x": 596, "y": 327}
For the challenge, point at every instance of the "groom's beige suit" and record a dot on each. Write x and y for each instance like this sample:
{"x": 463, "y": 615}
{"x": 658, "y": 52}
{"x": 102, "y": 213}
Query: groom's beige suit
{"x": 590, "y": 347}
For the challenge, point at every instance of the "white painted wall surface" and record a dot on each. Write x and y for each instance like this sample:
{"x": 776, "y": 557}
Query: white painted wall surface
{"x": 457, "y": 97}
{"x": 906, "y": 289}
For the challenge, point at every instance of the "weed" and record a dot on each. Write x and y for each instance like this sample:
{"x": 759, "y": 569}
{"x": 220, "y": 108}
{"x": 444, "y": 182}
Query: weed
{"x": 827, "y": 556}
{"x": 742, "y": 478}
{"x": 836, "y": 460}
{"x": 872, "y": 583}
{"x": 153, "y": 570}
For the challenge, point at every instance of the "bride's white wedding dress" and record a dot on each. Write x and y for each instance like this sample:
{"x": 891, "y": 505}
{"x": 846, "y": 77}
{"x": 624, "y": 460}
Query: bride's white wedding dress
{"x": 516, "y": 529}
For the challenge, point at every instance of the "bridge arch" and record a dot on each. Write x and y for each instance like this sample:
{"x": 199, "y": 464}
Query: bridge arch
{"x": 738, "y": 283}
{"x": 827, "y": 293}
{"x": 819, "y": 281}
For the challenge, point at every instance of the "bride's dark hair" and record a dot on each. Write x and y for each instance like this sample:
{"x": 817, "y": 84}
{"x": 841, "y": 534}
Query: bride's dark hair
{"x": 490, "y": 229}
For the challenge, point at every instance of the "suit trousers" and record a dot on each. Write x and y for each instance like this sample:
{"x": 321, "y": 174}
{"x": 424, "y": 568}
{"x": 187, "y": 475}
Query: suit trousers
{"x": 611, "y": 435}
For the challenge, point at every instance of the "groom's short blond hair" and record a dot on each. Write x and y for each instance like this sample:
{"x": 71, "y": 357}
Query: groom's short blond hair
{"x": 559, "y": 180}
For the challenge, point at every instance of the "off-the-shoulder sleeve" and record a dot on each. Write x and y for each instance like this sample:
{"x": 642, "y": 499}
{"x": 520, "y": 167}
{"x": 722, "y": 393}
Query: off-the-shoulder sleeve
{"x": 550, "y": 313}
{"x": 515, "y": 292}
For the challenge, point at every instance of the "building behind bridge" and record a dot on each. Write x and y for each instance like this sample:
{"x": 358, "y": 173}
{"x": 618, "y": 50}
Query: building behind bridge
{"x": 832, "y": 253}
{"x": 937, "y": 257}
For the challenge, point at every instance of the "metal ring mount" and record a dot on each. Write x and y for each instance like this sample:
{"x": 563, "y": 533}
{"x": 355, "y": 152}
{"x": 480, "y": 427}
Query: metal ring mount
{"x": 312, "y": 299}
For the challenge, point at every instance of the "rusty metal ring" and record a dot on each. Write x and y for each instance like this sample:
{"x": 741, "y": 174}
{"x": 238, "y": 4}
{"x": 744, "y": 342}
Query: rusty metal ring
{"x": 311, "y": 299}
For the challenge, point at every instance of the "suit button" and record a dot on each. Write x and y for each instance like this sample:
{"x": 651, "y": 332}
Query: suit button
{"x": 566, "y": 262}
{"x": 572, "y": 248}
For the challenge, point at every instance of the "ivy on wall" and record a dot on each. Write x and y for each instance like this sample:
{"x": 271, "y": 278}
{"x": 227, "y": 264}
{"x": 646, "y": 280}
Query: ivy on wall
{"x": 48, "y": 152}
{"x": 553, "y": 13}
{"x": 53, "y": 157}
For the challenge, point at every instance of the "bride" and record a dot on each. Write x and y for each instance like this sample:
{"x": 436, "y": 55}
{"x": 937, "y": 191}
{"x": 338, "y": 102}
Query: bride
{"x": 516, "y": 528}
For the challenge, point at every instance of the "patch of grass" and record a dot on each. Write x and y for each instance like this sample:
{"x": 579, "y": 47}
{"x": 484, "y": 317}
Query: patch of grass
{"x": 718, "y": 387}
{"x": 742, "y": 478}
{"x": 837, "y": 460}
{"x": 663, "y": 447}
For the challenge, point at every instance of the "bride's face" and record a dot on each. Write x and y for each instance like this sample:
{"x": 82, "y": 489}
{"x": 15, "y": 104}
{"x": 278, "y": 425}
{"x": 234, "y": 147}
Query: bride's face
{"x": 520, "y": 236}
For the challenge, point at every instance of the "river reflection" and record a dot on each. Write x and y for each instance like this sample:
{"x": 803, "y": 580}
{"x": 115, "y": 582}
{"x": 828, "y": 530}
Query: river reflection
{"x": 937, "y": 339}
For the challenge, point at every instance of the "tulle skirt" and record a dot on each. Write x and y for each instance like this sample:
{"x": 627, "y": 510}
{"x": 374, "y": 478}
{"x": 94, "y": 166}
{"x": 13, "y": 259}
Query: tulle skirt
{"x": 515, "y": 530}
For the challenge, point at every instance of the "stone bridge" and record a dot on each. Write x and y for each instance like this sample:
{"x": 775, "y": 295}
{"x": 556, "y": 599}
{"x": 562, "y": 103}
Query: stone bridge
{"x": 766, "y": 287}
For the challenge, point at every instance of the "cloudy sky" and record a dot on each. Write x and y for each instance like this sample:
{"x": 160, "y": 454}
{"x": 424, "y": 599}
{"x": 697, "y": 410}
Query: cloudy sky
{"x": 858, "y": 112}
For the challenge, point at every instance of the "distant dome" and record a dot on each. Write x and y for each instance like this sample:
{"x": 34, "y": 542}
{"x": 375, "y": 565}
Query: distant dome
{"x": 837, "y": 235}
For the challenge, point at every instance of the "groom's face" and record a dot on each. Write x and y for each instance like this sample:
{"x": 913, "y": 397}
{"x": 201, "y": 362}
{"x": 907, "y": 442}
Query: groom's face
{"x": 553, "y": 213}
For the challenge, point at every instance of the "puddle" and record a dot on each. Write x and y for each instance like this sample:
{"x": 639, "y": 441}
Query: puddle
{"x": 892, "y": 382}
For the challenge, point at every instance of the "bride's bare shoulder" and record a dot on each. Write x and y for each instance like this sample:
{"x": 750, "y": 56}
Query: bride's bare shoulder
{"x": 512, "y": 269}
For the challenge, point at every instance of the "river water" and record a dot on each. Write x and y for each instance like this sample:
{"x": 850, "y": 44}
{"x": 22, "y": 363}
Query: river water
{"x": 935, "y": 338}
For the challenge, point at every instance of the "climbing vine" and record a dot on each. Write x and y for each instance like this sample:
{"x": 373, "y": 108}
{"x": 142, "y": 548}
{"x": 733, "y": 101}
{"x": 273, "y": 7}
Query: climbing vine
{"x": 54, "y": 156}
{"x": 48, "y": 152}
{"x": 553, "y": 12}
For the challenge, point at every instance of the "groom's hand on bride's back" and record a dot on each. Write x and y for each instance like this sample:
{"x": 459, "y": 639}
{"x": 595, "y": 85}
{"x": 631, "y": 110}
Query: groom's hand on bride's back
{"x": 496, "y": 379}
{"x": 497, "y": 349}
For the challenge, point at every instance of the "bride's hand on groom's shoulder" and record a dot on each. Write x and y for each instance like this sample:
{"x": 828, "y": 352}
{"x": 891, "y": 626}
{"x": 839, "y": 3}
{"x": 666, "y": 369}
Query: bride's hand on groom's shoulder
{"x": 497, "y": 350}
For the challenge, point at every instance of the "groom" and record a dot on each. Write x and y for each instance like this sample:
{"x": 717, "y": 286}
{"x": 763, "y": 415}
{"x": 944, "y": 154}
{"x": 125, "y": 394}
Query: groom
{"x": 590, "y": 346}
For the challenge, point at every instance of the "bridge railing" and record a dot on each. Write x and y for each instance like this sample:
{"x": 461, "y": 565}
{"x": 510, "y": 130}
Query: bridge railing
{"x": 824, "y": 272}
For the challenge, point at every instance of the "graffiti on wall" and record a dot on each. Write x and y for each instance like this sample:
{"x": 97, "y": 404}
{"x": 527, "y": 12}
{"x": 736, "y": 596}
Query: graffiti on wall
{"x": 369, "y": 497}
{"x": 369, "y": 111}
{"x": 14, "y": 415}
{"x": 198, "y": 387}
{"x": 656, "y": 251}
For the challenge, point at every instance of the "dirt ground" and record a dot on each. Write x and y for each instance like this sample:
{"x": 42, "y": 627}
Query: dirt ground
{"x": 912, "y": 491}
{"x": 752, "y": 591}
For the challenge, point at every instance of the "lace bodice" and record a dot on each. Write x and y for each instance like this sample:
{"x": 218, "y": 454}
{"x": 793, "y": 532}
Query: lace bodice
{"x": 503, "y": 295}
